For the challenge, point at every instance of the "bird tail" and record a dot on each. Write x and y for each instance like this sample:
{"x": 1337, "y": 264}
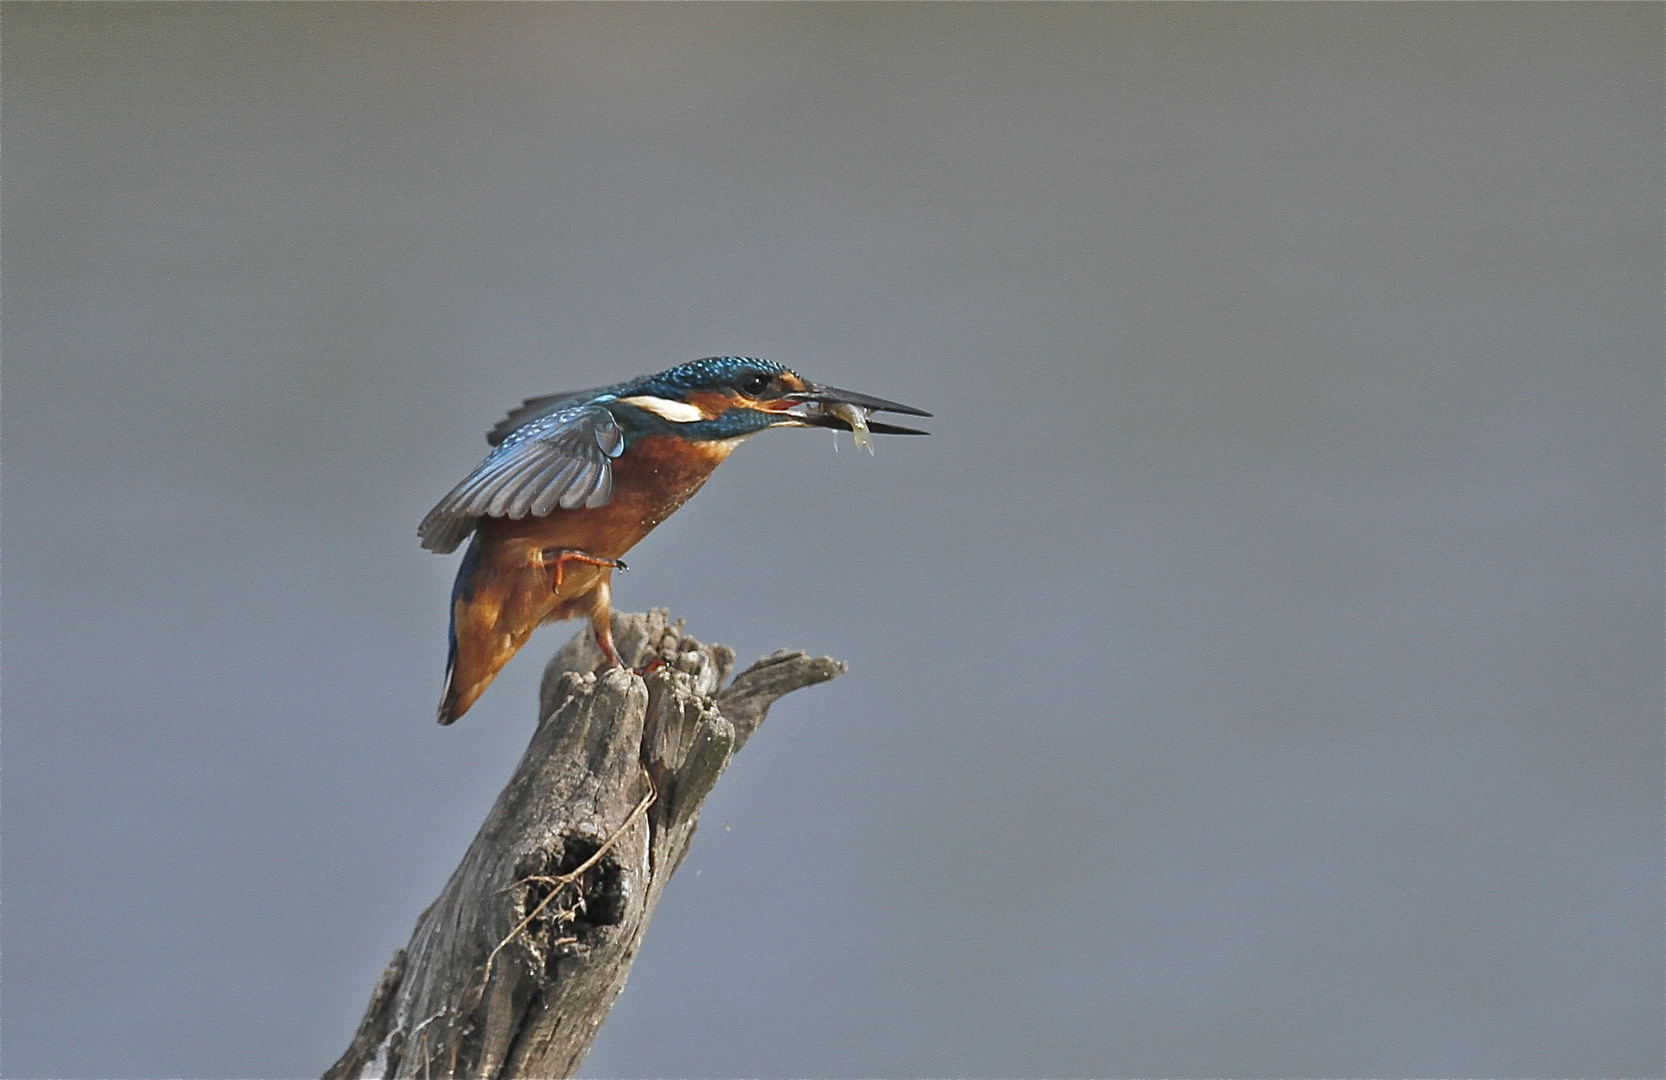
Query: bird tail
{"x": 451, "y": 705}
{"x": 448, "y": 710}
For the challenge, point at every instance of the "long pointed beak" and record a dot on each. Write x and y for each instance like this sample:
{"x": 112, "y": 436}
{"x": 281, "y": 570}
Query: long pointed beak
{"x": 812, "y": 407}
{"x": 834, "y": 396}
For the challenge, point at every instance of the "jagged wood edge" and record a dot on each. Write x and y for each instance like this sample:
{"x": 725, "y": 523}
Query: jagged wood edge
{"x": 602, "y": 745}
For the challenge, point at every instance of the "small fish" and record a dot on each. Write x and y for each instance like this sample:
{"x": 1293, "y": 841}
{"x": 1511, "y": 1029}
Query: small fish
{"x": 856, "y": 417}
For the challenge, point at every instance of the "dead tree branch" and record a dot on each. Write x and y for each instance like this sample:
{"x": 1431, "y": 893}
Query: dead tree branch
{"x": 511, "y": 971}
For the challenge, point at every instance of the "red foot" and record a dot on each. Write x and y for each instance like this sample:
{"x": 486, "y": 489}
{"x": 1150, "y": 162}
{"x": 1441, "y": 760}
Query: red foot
{"x": 559, "y": 557}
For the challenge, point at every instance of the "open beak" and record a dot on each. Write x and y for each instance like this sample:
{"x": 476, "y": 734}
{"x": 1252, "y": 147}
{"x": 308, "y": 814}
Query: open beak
{"x": 827, "y": 406}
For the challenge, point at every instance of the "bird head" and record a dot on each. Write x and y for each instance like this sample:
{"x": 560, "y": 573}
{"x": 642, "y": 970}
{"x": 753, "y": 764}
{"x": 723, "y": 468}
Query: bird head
{"x": 724, "y": 398}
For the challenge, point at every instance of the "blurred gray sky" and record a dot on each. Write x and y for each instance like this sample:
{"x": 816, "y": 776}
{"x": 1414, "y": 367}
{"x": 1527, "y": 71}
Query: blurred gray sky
{"x": 1258, "y": 672}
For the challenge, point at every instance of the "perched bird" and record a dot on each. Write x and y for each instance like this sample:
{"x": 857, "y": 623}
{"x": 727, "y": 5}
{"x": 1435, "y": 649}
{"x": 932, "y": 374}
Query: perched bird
{"x": 575, "y": 480}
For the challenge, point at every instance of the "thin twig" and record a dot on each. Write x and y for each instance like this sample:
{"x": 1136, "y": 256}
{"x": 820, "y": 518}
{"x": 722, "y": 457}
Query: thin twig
{"x": 570, "y": 876}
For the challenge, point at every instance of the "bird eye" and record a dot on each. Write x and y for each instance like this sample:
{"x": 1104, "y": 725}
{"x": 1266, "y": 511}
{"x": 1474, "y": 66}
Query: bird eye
{"x": 754, "y": 384}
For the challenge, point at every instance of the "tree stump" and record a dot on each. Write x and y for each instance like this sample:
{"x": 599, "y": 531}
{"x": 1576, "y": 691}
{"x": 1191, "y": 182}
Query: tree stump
{"x": 511, "y": 971}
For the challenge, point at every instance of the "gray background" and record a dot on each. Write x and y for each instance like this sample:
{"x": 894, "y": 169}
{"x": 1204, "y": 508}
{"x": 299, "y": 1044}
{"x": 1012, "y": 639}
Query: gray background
{"x": 1257, "y": 673}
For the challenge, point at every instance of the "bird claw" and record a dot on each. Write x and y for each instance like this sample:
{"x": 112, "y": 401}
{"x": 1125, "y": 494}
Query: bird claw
{"x": 555, "y": 558}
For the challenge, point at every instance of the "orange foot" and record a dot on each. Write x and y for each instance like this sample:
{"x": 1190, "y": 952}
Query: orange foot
{"x": 559, "y": 557}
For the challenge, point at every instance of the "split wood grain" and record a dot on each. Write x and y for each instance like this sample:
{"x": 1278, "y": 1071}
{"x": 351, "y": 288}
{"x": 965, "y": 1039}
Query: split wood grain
{"x": 511, "y": 971}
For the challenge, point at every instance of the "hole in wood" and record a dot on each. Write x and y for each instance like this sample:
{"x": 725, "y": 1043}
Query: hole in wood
{"x": 579, "y": 908}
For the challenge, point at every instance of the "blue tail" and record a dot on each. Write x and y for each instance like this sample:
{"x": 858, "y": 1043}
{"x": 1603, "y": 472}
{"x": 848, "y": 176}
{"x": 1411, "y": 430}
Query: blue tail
{"x": 460, "y": 589}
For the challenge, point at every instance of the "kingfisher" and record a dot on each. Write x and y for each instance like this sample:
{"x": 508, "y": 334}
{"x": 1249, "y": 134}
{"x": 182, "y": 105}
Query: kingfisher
{"x": 574, "y": 480}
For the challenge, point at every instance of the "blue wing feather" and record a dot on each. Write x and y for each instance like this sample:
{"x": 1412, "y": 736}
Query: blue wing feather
{"x": 559, "y": 458}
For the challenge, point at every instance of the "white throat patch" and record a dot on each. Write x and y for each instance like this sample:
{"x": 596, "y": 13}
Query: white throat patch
{"x": 678, "y": 412}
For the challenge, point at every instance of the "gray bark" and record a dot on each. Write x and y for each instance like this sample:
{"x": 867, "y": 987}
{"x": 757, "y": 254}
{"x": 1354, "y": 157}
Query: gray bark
{"x": 511, "y": 971}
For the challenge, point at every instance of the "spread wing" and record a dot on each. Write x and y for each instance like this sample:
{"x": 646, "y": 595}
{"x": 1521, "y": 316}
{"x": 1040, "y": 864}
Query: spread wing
{"x": 560, "y": 459}
{"x": 534, "y": 408}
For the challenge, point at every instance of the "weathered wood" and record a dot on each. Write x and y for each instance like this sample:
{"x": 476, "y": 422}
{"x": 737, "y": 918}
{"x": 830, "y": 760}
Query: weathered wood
{"x": 511, "y": 971}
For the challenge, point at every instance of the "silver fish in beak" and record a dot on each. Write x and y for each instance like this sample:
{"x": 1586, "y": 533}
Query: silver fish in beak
{"x": 828, "y": 406}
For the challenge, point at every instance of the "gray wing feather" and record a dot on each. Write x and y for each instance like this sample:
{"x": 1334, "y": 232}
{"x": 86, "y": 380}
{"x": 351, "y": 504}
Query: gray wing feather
{"x": 496, "y": 501}
{"x": 532, "y": 488}
{"x": 549, "y": 497}
{"x": 578, "y": 494}
{"x": 444, "y": 535}
{"x": 547, "y": 485}
{"x": 562, "y": 459}
{"x": 534, "y": 409}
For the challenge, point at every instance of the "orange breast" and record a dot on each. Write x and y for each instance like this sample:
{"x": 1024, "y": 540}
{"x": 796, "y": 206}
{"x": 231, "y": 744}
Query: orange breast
{"x": 650, "y": 481}
{"x": 508, "y": 593}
